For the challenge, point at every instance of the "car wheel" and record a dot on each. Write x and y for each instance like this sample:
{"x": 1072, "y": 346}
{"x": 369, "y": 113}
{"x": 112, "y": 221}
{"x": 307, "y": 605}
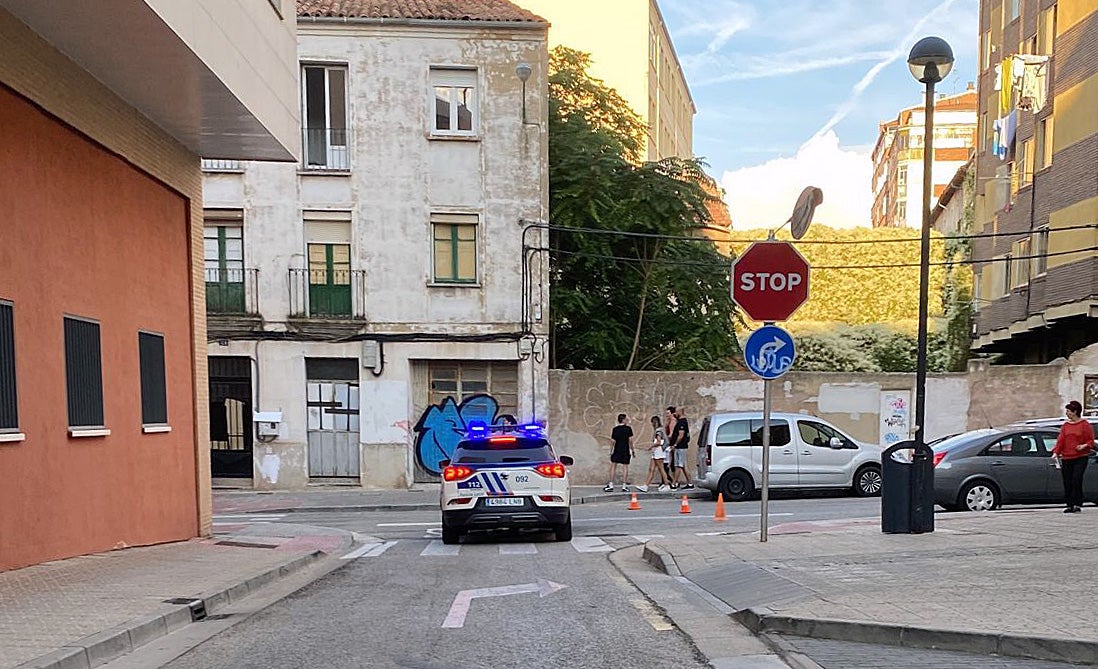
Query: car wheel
{"x": 867, "y": 481}
{"x": 979, "y": 496}
{"x": 563, "y": 532}
{"x": 736, "y": 486}
{"x": 450, "y": 535}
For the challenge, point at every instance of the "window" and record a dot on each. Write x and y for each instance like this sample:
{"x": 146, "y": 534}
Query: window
{"x": 455, "y": 248}
{"x": 779, "y": 433}
{"x": 454, "y": 102}
{"x": 1021, "y": 445}
{"x": 1040, "y": 251}
{"x": 1015, "y": 8}
{"x": 462, "y": 380}
{"x": 1004, "y": 270}
{"x": 9, "y": 406}
{"x": 1043, "y": 143}
{"x": 83, "y": 373}
{"x": 1020, "y": 253}
{"x": 982, "y": 132}
{"x": 1046, "y": 31}
{"x": 820, "y": 435}
{"x": 901, "y": 212}
{"x": 329, "y": 279}
{"x": 154, "y": 390}
{"x": 224, "y": 256}
{"x": 332, "y": 394}
{"x": 1090, "y": 395}
{"x": 734, "y": 433}
{"x": 977, "y": 291}
{"x": 325, "y": 117}
{"x": 985, "y": 50}
{"x": 1025, "y": 160}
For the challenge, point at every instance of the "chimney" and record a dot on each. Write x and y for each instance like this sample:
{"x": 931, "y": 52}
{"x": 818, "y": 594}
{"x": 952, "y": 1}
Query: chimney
{"x": 971, "y": 86}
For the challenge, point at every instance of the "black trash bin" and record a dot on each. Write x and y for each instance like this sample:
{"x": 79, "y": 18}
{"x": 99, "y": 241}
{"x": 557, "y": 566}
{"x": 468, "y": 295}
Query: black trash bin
{"x": 905, "y": 510}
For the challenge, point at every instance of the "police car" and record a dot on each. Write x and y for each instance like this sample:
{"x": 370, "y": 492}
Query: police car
{"x": 505, "y": 477}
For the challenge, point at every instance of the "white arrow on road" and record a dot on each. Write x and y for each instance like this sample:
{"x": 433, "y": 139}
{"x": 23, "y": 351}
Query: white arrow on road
{"x": 460, "y": 608}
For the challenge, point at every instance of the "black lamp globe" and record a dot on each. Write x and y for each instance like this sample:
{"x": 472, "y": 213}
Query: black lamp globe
{"x": 930, "y": 60}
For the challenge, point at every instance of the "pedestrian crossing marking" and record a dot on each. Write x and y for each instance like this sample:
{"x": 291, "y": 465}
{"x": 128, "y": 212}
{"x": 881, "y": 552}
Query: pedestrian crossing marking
{"x": 518, "y": 549}
{"x": 590, "y": 545}
{"x": 360, "y": 551}
{"x": 436, "y": 548}
{"x": 645, "y": 538}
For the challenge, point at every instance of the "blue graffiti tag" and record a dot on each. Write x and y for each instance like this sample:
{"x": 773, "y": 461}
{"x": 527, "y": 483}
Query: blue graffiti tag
{"x": 442, "y": 426}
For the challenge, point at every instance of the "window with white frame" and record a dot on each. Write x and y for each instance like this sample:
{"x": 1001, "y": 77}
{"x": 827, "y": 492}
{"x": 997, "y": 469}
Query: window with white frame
{"x": 453, "y": 101}
{"x": 324, "y": 99}
{"x": 454, "y": 247}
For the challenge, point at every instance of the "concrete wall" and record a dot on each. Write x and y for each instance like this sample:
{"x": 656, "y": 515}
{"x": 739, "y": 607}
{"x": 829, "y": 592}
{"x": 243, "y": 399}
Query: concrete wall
{"x": 584, "y": 404}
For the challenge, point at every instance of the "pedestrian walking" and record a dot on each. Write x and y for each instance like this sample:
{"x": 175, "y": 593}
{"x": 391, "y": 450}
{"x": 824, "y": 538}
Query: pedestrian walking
{"x": 668, "y": 452}
{"x": 621, "y": 454}
{"x": 680, "y": 442}
{"x": 1073, "y": 446}
{"x": 658, "y": 451}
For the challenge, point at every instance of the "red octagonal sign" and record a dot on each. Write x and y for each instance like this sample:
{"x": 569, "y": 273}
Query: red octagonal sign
{"x": 770, "y": 281}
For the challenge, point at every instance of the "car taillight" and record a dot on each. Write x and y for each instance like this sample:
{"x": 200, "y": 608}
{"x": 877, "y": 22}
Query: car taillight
{"x": 938, "y": 457}
{"x": 708, "y": 455}
{"x": 457, "y": 473}
{"x": 553, "y": 471}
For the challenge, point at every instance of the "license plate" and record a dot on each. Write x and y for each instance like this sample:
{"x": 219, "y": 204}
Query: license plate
{"x": 504, "y": 501}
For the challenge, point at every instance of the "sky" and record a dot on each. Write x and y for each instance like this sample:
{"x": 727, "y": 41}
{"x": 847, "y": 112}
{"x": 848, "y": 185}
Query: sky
{"x": 790, "y": 93}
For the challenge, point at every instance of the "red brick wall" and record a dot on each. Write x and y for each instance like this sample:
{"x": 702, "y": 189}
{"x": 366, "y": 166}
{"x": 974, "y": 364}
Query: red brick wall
{"x": 83, "y": 232}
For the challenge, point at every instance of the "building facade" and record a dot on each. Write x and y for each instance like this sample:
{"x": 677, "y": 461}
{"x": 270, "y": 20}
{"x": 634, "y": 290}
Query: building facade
{"x": 102, "y": 319}
{"x": 1036, "y": 281}
{"x": 368, "y": 302}
{"x": 632, "y": 52}
{"x": 898, "y": 157}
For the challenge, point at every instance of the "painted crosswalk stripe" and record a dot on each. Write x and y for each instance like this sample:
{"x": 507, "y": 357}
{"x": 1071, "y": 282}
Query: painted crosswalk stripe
{"x": 250, "y": 516}
{"x": 436, "y": 548}
{"x": 360, "y": 551}
{"x": 644, "y": 538}
{"x": 379, "y": 549}
{"x": 590, "y": 545}
{"x": 518, "y": 549}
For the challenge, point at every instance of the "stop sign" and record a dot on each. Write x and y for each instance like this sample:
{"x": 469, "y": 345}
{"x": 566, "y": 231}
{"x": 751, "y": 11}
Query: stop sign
{"x": 770, "y": 281}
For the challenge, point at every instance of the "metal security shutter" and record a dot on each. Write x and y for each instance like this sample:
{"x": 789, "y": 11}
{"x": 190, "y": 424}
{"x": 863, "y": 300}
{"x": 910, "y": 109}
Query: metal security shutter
{"x": 154, "y": 393}
{"x": 9, "y": 407}
{"x": 83, "y": 373}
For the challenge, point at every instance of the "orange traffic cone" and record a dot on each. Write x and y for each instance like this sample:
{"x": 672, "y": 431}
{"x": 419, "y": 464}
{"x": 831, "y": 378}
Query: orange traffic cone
{"x": 718, "y": 515}
{"x": 685, "y": 508}
{"x": 634, "y": 505}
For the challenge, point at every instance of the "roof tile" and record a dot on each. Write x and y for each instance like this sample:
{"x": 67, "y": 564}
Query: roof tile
{"x": 445, "y": 10}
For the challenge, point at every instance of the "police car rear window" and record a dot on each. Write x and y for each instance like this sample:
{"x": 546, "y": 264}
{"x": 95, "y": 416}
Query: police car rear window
{"x": 480, "y": 451}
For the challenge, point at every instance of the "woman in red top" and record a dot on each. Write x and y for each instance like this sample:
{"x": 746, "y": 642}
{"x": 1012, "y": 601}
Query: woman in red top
{"x": 1075, "y": 443}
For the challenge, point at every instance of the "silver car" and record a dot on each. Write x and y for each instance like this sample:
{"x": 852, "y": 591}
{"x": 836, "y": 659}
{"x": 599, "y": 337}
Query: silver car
{"x": 984, "y": 469}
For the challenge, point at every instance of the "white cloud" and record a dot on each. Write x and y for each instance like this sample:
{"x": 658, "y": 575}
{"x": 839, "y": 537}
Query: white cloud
{"x": 763, "y": 196}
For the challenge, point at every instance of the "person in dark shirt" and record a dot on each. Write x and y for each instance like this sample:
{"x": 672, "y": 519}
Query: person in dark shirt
{"x": 680, "y": 441}
{"x": 622, "y": 453}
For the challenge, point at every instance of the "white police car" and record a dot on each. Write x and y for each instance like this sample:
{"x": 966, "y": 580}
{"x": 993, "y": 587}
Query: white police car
{"x": 505, "y": 477}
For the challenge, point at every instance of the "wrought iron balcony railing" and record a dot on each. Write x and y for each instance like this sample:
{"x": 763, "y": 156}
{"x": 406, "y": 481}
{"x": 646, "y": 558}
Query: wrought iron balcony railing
{"x": 327, "y": 294}
{"x": 232, "y": 292}
{"x": 326, "y": 149}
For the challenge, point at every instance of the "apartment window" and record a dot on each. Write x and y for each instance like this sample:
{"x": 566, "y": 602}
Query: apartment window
{"x": 901, "y": 182}
{"x": 977, "y": 291}
{"x": 83, "y": 373}
{"x": 982, "y": 132}
{"x": 462, "y": 380}
{"x": 1006, "y": 271}
{"x": 223, "y": 243}
{"x": 454, "y": 101}
{"x": 901, "y": 212}
{"x": 154, "y": 390}
{"x": 1040, "y": 251}
{"x": 1015, "y": 8}
{"x": 329, "y": 279}
{"x": 455, "y": 248}
{"x": 1015, "y": 181}
{"x": 325, "y": 132}
{"x": 1020, "y": 253}
{"x": 1025, "y": 160}
{"x": 1046, "y": 31}
{"x": 9, "y": 406}
{"x": 1043, "y": 142}
{"x": 985, "y": 50}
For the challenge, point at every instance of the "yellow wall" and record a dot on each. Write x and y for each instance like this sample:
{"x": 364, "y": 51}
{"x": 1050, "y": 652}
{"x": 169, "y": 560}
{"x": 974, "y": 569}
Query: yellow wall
{"x": 1071, "y": 12}
{"x": 1076, "y": 118}
{"x": 1080, "y": 213}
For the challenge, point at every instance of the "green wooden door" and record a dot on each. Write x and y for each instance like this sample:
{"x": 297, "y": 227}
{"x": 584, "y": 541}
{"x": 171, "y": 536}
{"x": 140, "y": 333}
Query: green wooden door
{"x": 224, "y": 254}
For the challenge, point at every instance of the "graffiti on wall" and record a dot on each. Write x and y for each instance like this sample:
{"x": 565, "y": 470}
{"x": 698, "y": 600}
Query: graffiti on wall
{"x": 443, "y": 425}
{"x": 605, "y": 400}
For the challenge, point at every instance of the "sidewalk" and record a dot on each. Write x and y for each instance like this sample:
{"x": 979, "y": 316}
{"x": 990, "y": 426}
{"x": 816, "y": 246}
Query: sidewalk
{"x": 982, "y": 582}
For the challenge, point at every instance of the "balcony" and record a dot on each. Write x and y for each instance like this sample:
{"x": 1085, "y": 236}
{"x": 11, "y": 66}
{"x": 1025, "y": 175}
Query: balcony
{"x": 328, "y": 295}
{"x": 232, "y": 292}
{"x": 214, "y": 165}
{"x": 326, "y": 149}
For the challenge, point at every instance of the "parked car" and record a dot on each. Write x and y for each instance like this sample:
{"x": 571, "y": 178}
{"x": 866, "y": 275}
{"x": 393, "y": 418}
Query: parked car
{"x": 805, "y": 452}
{"x": 983, "y": 469}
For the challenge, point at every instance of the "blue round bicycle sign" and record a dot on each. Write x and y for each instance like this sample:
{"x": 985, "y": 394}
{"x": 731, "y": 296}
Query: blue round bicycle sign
{"x": 769, "y": 352}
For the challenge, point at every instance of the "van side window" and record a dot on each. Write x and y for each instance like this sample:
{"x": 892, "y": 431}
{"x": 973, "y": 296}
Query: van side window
{"x": 818, "y": 434}
{"x": 779, "y": 432}
{"x": 734, "y": 433}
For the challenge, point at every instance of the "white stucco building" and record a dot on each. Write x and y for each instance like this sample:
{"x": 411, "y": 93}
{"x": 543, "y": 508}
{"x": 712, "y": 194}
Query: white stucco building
{"x": 375, "y": 292}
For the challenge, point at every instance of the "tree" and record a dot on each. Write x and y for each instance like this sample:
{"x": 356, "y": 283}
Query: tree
{"x": 648, "y": 299}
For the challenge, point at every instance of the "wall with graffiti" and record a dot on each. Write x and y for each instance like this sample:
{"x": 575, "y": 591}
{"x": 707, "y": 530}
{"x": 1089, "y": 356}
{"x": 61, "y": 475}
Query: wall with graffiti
{"x": 442, "y": 426}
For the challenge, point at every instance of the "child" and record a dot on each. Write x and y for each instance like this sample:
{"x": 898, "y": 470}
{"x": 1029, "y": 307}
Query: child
{"x": 659, "y": 452}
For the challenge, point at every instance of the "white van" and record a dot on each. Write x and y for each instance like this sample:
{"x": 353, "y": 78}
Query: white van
{"x": 805, "y": 452}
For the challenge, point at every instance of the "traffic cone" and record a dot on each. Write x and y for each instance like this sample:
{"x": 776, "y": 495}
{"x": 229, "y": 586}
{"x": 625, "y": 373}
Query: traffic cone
{"x": 634, "y": 505}
{"x": 685, "y": 508}
{"x": 718, "y": 515}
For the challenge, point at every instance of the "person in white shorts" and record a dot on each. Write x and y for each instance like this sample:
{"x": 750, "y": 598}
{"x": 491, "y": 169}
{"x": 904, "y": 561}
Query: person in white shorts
{"x": 659, "y": 453}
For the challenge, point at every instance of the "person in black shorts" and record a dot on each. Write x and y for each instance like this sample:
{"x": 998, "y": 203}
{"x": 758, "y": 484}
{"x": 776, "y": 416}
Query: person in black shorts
{"x": 622, "y": 437}
{"x": 680, "y": 442}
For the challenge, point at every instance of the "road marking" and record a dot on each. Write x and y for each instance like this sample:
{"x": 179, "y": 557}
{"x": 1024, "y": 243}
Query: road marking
{"x": 379, "y": 549}
{"x": 460, "y": 608}
{"x": 434, "y": 524}
{"x": 671, "y": 517}
{"x": 436, "y": 548}
{"x": 433, "y": 533}
{"x": 710, "y": 534}
{"x": 590, "y": 545}
{"x": 651, "y": 615}
{"x": 518, "y": 549}
{"x": 360, "y": 551}
{"x": 250, "y": 516}
{"x": 645, "y": 538}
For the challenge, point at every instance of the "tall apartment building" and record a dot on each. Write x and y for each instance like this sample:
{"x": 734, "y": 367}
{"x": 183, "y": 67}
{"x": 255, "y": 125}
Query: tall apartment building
{"x": 1036, "y": 281}
{"x": 898, "y": 157}
{"x": 102, "y": 322}
{"x": 632, "y": 52}
{"x": 371, "y": 300}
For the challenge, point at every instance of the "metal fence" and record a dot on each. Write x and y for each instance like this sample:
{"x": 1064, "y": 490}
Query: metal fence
{"x": 323, "y": 294}
{"x": 232, "y": 292}
{"x": 326, "y": 149}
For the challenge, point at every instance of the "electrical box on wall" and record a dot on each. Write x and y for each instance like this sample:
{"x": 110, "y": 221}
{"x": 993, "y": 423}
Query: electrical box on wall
{"x": 370, "y": 353}
{"x": 267, "y": 423}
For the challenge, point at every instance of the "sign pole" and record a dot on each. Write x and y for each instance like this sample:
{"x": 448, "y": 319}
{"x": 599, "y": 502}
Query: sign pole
{"x": 763, "y": 517}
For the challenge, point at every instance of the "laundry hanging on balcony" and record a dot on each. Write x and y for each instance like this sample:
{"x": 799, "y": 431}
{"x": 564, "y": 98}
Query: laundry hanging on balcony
{"x": 1030, "y": 81}
{"x": 1002, "y": 141}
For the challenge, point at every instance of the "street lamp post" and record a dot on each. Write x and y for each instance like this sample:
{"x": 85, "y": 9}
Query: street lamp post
{"x": 930, "y": 61}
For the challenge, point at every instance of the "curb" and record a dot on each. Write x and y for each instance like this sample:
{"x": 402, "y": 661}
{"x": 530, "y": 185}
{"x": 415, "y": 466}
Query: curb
{"x": 432, "y": 506}
{"x": 110, "y": 644}
{"x": 661, "y": 559}
{"x": 763, "y": 621}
